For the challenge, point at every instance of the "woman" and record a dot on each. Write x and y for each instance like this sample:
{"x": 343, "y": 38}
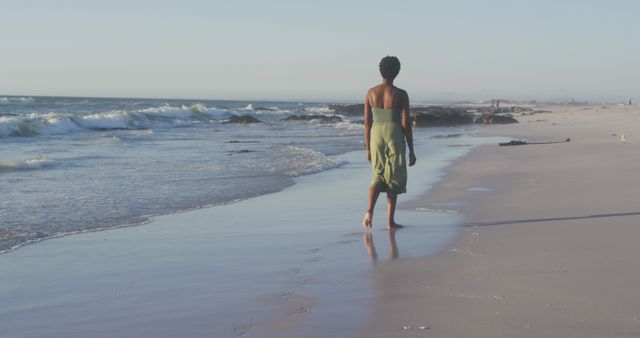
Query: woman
{"x": 387, "y": 126}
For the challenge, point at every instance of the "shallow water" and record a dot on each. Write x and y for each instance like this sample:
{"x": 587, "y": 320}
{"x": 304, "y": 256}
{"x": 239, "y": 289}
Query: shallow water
{"x": 291, "y": 263}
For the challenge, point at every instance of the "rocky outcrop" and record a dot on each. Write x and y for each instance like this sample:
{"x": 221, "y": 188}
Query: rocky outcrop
{"x": 519, "y": 109}
{"x": 264, "y": 108}
{"x": 242, "y": 119}
{"x": 314, "y": 117}
{"x": 495, "y": 119}
{"x": 348, "y": 109}
{"x": 441, "y": 116}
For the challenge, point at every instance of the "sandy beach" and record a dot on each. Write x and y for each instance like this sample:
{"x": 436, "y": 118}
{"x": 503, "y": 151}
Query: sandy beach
{"x": 550, "y": 246}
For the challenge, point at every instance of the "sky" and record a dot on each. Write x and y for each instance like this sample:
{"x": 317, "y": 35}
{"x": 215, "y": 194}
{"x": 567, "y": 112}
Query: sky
{"x": 321, "y": 50}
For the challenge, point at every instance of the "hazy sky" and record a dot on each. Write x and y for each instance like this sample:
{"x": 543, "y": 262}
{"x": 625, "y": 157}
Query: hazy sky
{"x": 320, "y": 50}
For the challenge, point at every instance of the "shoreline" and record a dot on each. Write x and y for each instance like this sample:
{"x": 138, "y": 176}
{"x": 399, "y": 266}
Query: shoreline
{"x": 537, "y": 257}
{"x": 247, "y": 267}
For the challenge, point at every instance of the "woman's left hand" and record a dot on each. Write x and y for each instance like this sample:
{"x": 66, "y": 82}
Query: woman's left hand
{"x": 412, "y": 159}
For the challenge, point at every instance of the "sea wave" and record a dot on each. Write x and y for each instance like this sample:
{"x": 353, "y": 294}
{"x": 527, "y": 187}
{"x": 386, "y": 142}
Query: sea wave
{"x": 161, "y": 116}
{"x": 298, "y": 161}
{"x": 15, "y": 99}
{"x": 34, "y": 163}
{"x": 264, "y": 110}
{"x": 324, "y": 109}
{"x": 55, "y": 123}
{"x": 349, "y": 125}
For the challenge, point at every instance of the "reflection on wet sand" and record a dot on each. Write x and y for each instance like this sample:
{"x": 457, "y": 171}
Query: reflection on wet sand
{"x": 371, "y": 248}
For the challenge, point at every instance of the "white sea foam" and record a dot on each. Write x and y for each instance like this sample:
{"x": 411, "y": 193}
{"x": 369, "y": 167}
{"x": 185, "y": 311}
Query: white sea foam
{"x": 348, "y": 125}
{"x": 35, "y": 124}
{"x": 34, "y": 163}
{"x": 320, "y": 110}
{"x": 178, "y": 115}
{"x": 15, "y": 99}
{"x": 9, "y": 125}
{"x": 103, "y": 121}
{"x": 160, "y": 116}
{"x": 297, "y": 161}
{"x": 55, "y": 123}
{"x": 197, "y": 108}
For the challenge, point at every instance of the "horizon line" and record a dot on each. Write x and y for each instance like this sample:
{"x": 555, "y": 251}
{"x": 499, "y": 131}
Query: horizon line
{"x": 354, "y": 101}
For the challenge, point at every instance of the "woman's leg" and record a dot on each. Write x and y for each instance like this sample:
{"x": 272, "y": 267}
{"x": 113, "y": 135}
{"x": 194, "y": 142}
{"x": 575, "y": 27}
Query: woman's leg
{"x": 391, "y": 207}
{"x": 373, "y": 198}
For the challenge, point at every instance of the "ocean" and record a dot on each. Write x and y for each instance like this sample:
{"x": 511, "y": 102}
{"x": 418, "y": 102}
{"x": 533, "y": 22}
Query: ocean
{"x": 70, "y": 164}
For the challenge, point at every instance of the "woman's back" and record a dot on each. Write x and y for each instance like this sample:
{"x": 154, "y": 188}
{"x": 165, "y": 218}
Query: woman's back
{"x": 386, "y": 96}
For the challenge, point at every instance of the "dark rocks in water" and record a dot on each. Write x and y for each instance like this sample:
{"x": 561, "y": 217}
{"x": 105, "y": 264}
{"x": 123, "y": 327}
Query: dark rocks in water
{"x": 495, "y": 119}
{"x": 348, "y": 109}
{"x": 263, "y": 108}
{"x": 441, "y": 120}
{"x": 441, "y": 116}
{"x": 317, "y": 117}
{"x": 242, "y": 119}
{"x": 519, "y": 109}
{"x": 238, "y": 141}
{"x": 241, "y": 151}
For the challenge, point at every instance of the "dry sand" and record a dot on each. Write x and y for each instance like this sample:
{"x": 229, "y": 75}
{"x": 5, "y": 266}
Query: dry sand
{"x": 552, "y": 243}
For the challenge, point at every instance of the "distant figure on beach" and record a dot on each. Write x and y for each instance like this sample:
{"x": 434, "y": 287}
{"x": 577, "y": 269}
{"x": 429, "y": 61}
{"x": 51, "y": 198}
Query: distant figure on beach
{"x": 629, "y": 101}
{"x": 387, "y": 125}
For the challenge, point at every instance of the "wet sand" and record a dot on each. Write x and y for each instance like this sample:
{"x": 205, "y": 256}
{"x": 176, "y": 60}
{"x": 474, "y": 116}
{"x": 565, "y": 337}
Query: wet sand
{"x": 550, "y": 247}
{"x": 288, "y": 264}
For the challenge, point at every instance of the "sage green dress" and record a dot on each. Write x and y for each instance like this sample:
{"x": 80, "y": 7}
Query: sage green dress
{"x": 387, "y": 148}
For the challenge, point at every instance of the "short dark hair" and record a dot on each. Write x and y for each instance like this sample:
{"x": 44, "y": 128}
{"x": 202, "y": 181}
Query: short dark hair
{"x": 389, "y": 67}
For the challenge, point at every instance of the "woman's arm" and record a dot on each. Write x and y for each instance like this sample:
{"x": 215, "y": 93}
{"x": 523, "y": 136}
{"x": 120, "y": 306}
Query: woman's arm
{"x": 407, "y": 127}
{"x": 368, "y": 121}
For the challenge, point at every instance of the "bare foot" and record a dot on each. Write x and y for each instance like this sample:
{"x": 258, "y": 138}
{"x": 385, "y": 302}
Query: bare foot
{"x": 366, "y": 222}
{"x": 395, "y": 226}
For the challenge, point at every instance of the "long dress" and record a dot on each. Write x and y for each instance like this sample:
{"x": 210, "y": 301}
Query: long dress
{"x": 387, "y": 148}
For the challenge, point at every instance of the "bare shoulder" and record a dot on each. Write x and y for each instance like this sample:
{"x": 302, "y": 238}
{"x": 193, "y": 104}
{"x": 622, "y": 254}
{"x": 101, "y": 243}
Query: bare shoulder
{"x": 375, "y": 89}
{"x": 403, "y": 96}
{"x": 373, "y": 92}
{"x": 403, "y": 93}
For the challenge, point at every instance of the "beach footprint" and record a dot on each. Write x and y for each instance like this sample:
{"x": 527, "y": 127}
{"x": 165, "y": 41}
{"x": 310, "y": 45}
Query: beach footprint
{"x": 242, "y": 330}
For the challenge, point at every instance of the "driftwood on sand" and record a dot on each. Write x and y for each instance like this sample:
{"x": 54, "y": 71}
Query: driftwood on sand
{"x": 521, "y": 142}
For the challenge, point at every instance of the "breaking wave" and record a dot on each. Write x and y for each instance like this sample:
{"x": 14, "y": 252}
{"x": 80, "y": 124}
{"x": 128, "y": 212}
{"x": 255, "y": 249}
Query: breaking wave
{"x": 34, "y": 163}
{"x": 55, "y": 123}
{"x": 15, "y": 99}
{"x": 324, "y": 109}
{"x": 298, "y": 161}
